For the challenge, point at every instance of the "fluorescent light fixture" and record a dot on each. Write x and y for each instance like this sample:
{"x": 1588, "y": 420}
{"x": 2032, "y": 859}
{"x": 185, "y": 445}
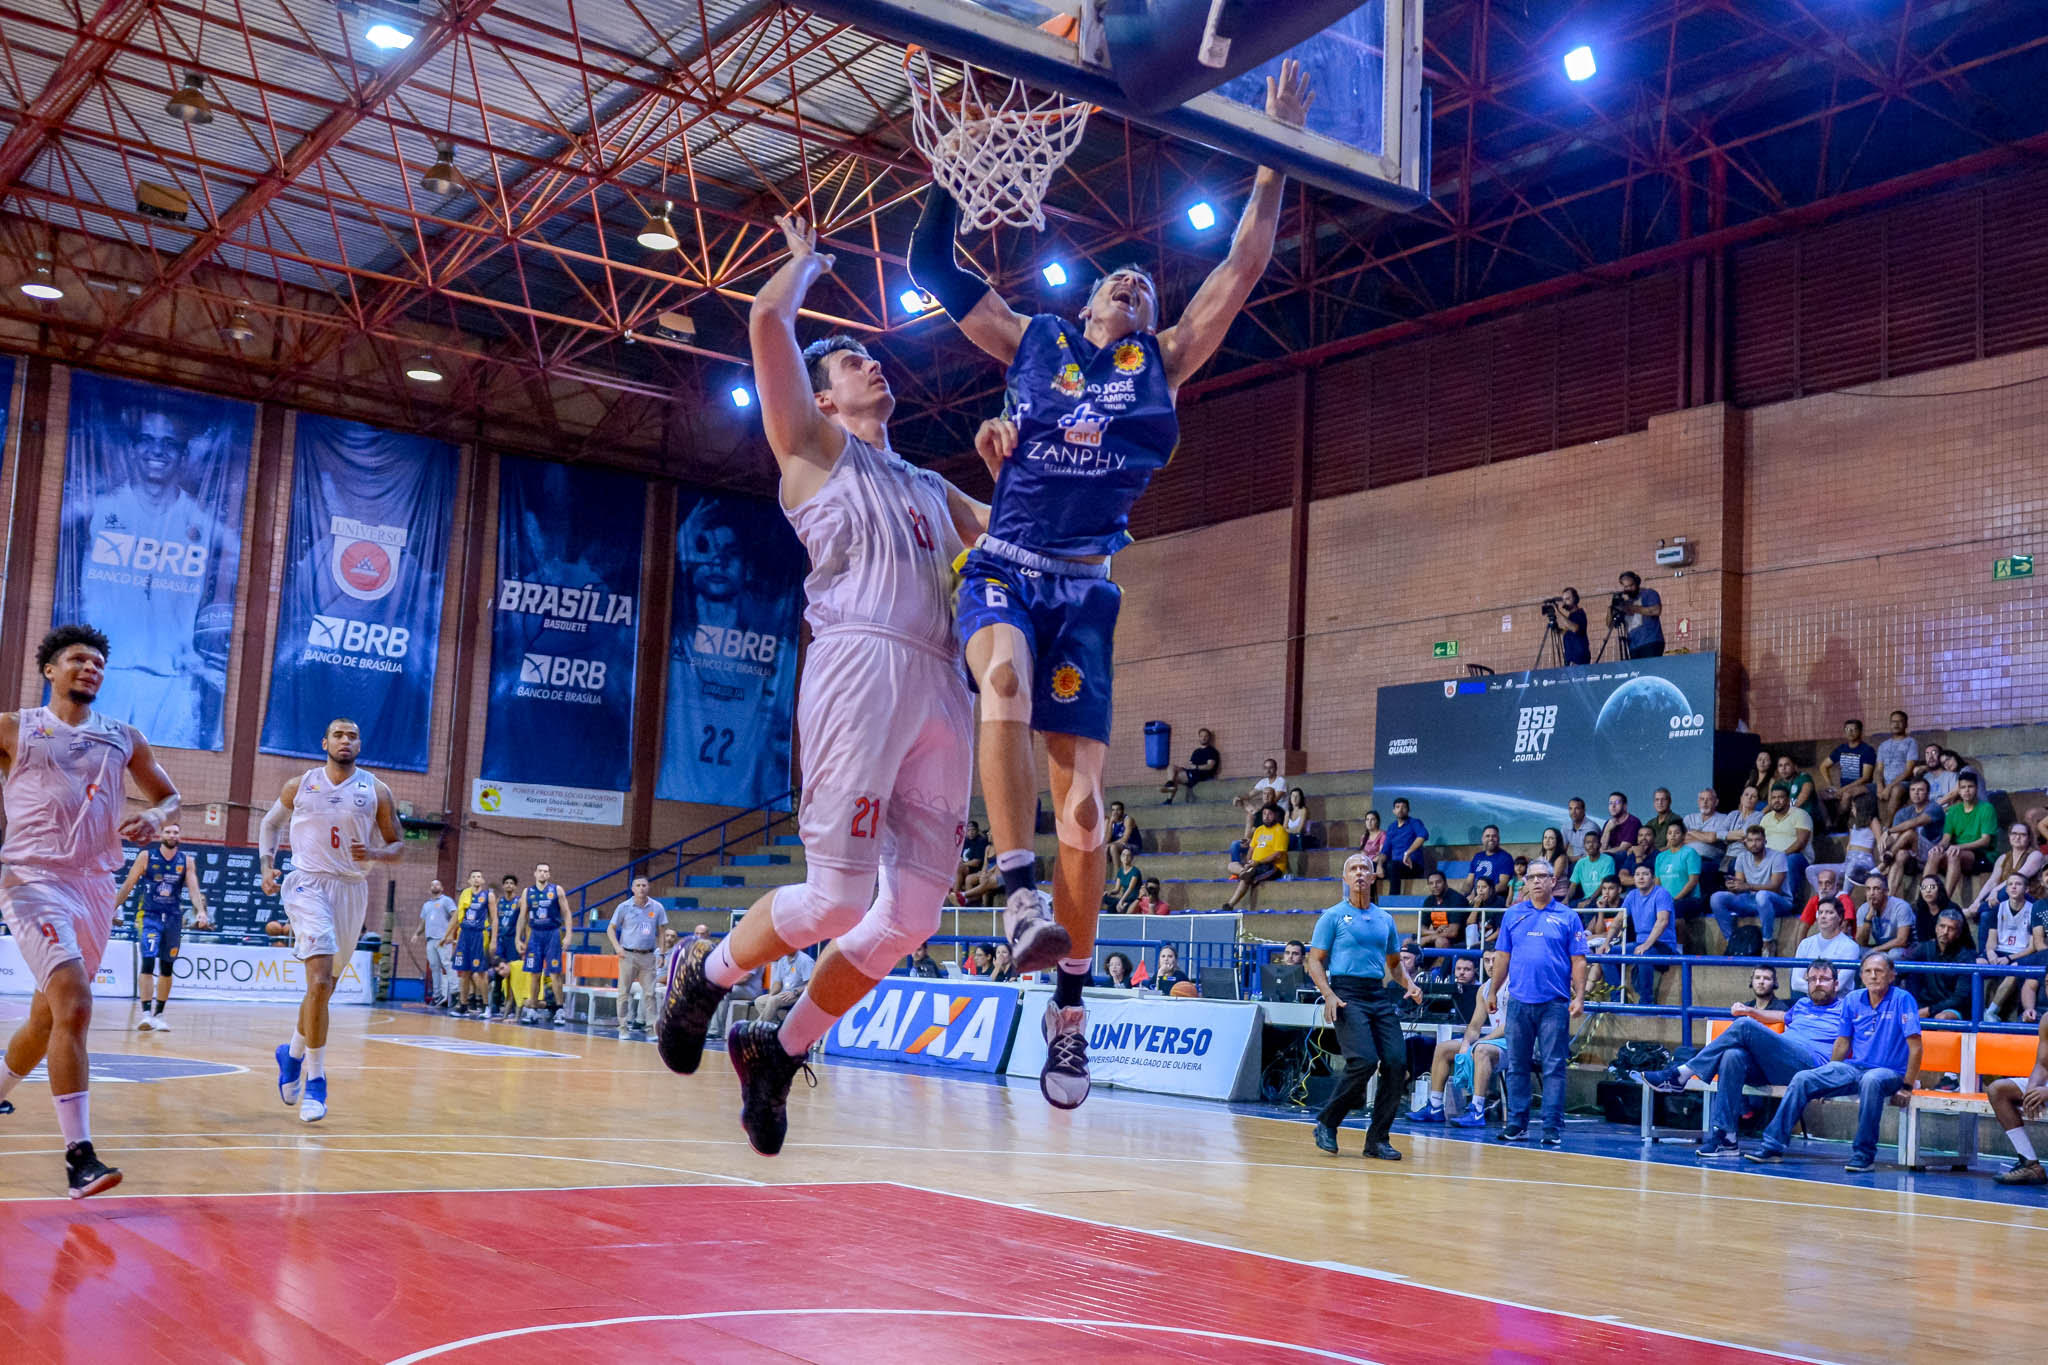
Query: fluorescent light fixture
{"x": 658, "y": 233}
{"x": 915, "y": 301}
{"x": 1202, "y": 215}
{"x": 442, "y": 177}
{"x": 387, "y": 36}
{"x": 1578, "y": 63}
{"x": 189, "y": 104}
{"x": 41, "y": 283}
{"x": 423, "y": 368}
{"x": 1055, "y": 274}
{"x": 238, "y": 328}
{"x": 741, "y": 398}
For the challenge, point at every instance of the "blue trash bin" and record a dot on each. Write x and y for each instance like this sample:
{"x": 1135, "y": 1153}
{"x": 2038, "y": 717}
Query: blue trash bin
{"x": 1158, "y": 744}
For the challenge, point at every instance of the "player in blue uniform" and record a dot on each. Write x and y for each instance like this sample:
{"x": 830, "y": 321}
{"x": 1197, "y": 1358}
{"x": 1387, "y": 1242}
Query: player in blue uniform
{"x": 469, "y": 934}
{"x": 543, "y": 915}
{"x": 505, "y": 946}
{"x": 163, "y": 871}
{"x": 1091, "y": 419}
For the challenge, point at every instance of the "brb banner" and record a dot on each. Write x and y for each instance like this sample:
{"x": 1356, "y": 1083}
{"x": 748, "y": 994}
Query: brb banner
{"x": 360, "y": 629}
{"x": 564, "y": 633}
{"x": 731, "y": 654}
{"x": 1511, "y": 749}
{"x": 233, "y": 971}
{"x": 150, "y": 548}
{"x": 963, "y": 1025}
{"x": 1204, "y": 1048}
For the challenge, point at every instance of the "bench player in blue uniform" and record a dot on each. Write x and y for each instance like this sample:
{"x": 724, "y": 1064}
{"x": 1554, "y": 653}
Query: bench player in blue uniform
{"x": 1091, "y": 415}
{"x": 505, "y": 945}
{"x": 543, "y": 915}
{"x": 470, "y": 934}
{"x": 164, "y": 872}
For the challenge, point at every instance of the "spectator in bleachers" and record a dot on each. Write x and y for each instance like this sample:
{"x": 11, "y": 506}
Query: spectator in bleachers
{"x": 1002, "y": 967}
{"x": 1763, "y": 991}
{"x": 1752, "y": 1048}
{"x": 1149, "y": 901}
{"x": 1407, "y": 841}
{"x": 1968, "y": 831}
{"x": 1589, "y": 871}
{"x": 2015, "y": 1102}
{"x": 1944, "y": 995}
{"x": 1941, "y": 779}
{"x": 2010, "y": 940}
{"x": 979, "y": 961}
{"x": 1827, "y": 887}
{"x": 973, "y": 861}
{"x": 1652, "y": 919}
{"x": 1883, "y": 921}
{"x": 1788, "y": 829}
{"x": 1520, "y": 881}
{"x": 1763, "y": 772}
{"x": 1860, "y": 844}
{"x": 1302, "y": 832}
{"x": 1577, "y": 825}
{"x": 1411, "y": 958}
{"x": 1293, "y": 953}
{"x": 1805, "y": 794}
{"x": 1876, "y": 1058}
{"x": 1444, "y": 914}
{"x": 1264, "y": 861}
{"x": 1850, "y": 771}
{"x": 1606, "y": 931}
{"x": 1551, "y": 849}
{"x": 2036, "y": 820}
{"x": 1896, "y": 754}
{"x": 1618, "y": 835}
{"x": 1828, "y": 942}
{"x": 1642, "y": 853}
{"x": 1123, "y": 833}
{"x": 1202, "y": 766}
{"x": 1491, "y": 863}
{"x": 1374, "y": 844}
{"x": 1755, "y": 888}
{"x": 1269, "y": 790}
{"x": 1482, "y": 923}
{"x": 1662, "y": 817}
{"x": 1930, "y": 899}
{"x": 1706, "y": 834}
{"x": 2018, "y": 854}
{"x": 921, "y": 963}
{"x": 1116, "y": 972}
{"x": 1677, "y": 869}
{"x": 1123, "y": 893}
{"x": 1910, "y": 839}
{"x": 1485, "y": 1037}
{"x": 783, "y": 982}
{"x": 1169, "y": 974}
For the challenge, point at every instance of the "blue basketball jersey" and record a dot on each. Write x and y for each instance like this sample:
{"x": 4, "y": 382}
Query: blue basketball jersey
{"x": 1093, "y": 427}
{"x": 477, "y": 914}
{"x": 543, "y": 908}
{"x": 162, "y": 880}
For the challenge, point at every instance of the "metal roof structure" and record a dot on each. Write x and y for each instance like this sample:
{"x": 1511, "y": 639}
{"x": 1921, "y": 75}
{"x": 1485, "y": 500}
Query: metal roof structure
{"x": 570, "y": 120}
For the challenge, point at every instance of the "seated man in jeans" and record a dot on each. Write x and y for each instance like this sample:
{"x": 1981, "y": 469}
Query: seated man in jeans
{"x": 1756, "y": 887}
{"x": 1876, "y": 1058}
{"x": 1751, "y": 1048}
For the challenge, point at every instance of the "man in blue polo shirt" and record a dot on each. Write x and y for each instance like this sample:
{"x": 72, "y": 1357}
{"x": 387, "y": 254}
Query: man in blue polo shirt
{"x": 1876, "y": 1058}
{"x": 1406, "y": 839}
{"x": 1652, "y": 922}
{"x": 1354, "y": 958}
{"x": 1540, "y": 957}
{"x": 1751, "y": 1047}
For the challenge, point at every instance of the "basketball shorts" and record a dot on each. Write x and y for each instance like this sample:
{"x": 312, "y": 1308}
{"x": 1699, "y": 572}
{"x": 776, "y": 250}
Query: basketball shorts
{"x": 327, "y": 913}
{"x": 57, "y": 917}
{"x": 543, "y": 951}
{"x": 470, "y": 956}
{"x": 1069, "y": 623}
{"x": 162, "y": 935}
{"x": 505, "y": 946}
{"x": 887, "y": 728}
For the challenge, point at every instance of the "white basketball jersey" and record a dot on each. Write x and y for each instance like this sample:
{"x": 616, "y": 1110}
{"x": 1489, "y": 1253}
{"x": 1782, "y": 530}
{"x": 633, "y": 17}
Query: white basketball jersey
{"x": 64, "y": 793}
{"x": 326, "y": 819}
{"x": 882, "y": 547}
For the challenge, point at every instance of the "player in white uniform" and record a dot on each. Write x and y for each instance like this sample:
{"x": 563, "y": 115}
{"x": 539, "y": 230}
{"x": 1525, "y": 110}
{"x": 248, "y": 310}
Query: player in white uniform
{"x": 341, "y": 819}
{"x": 63, "y": 799}
{"x": 882, "y": 706}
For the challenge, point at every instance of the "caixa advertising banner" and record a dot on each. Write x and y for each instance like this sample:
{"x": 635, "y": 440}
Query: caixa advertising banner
{"x": 1203, "y": 1048}
{"x": 961, "y": 1025}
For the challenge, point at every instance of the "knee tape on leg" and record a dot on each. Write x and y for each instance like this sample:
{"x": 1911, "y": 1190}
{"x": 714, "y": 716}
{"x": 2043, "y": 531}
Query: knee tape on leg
{"x": 1006, "y": 685}
{"x": 825, "y": 905}
{"x": 1079, "y": 822}
{"x": 904, "y": 915}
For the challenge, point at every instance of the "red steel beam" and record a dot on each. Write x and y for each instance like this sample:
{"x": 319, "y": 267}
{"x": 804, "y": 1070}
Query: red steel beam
{"x": 102, "y": 34}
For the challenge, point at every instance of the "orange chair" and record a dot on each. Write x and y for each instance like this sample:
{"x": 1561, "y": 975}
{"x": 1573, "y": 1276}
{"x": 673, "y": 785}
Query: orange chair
{"x": 1972, "y": 1056}
{"x": 586, "y": 973}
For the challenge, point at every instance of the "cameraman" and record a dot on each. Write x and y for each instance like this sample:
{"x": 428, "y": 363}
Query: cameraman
{"x": 1569, "y": 619}
{"x": 1639, "y": 607}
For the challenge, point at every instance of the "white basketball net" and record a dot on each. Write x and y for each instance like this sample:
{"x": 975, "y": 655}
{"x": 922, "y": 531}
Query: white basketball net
{"x": 994, "y": 148}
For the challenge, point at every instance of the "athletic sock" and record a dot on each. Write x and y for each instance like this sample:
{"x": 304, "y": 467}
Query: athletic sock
{"x": 1686, "y": 1075}
{"x": 1074, "y": 973}
{"x": 720, "y": 967}
{"x": 2021, "y": 1143}
{"x": 805, "y": 1024}
{"x": 160, "y": 1005}
{"x": 8, "y": 1080}
{"x": 1018, "y": 868}
{"x": 74, "y": 1116}
{"x": 316, "y": 1063}
{"x": 298, "y": 1044}
{"x": 1436, "y": 1099}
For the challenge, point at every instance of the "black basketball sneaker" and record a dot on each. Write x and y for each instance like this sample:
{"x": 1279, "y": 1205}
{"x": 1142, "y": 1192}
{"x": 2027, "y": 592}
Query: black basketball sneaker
{"x": 89, "y": 1175}
{"x": 766, "y": 1071}
{"x": 686, "y": 1011}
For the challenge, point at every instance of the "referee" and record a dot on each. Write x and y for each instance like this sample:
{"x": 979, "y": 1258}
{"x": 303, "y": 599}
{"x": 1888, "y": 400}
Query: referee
{"x": 1354, "y": 958}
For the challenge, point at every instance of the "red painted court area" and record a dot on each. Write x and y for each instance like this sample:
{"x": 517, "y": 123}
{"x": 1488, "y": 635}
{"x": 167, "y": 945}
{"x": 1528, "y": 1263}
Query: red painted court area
{"x": 826, "y": 1273}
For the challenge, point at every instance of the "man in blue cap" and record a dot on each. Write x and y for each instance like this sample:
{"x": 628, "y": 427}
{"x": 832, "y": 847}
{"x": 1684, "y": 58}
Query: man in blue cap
{"x": 1354, "y": 958}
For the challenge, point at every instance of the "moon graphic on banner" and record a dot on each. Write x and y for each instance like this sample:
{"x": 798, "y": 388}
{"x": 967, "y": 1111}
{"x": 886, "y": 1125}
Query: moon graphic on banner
{"x": 1635, "y": 723}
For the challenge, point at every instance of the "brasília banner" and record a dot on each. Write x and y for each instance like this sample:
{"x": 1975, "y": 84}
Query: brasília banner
{"x": 558, "y": 738}
{"x": 1511, "y": 749}
{"x": 732, "y": 653}
{"x": 149, "y": 548}
{"x": 6, "y": 398}
{"x": 359, "y": 630}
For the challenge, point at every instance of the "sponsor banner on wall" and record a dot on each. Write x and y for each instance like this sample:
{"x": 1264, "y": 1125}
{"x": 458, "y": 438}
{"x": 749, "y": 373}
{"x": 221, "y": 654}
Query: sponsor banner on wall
{"x": 236, "y": 971}
{"x": 359, "y": 631}
{"x": 114, "y": 980}
{"x": 6, "y": 398}
{"x": 536, "y": 801}
{"x": 1204, "y": 1048}
{"x": 1511, "y": 749}
{"x": 961, "y": 1025}
{"x": 149, "y": 548}
{"x": 564, "y": 633}
{"x": 732, "y": 654}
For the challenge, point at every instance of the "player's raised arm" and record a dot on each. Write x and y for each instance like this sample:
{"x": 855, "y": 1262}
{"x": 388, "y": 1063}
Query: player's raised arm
{"x": 967, "y": 298}
{"x": 1189, "y": 343}
{"x": 798, "y": 432}
{"x": 156, "y": 788}
{"x": 994, "y": 444}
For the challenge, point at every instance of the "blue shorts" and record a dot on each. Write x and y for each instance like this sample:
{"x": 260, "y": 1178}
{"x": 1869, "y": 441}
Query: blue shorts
{"x": 543, "y": 951}
{"x": 1069, "y": 623}
{"x": 470, "y": 956}
{"x": 505, "y": 947}
{"x": 161, "y": 935}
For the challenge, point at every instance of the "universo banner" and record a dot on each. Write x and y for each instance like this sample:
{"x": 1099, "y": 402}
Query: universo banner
{"x": 235, "y": 971}
{"x": 1204, "y": 1048}
{"x": 1511, "y": 749}
{"x": 149, "y": 548}
{"x": 961, "y": 1025}
{"x": 359, "y": 631}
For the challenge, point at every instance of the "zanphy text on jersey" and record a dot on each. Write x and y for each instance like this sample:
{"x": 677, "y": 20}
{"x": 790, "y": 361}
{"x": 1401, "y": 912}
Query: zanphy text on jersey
{"x": 574, "y": 609}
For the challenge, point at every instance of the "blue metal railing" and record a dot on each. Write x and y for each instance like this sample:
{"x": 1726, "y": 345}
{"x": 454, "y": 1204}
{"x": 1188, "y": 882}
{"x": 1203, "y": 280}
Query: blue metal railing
{"x": 719, "y": 839}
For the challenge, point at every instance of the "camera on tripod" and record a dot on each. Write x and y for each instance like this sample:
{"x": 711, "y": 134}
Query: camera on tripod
{"x": 1550, "y": 607}
{"x": 1618, "y": 607}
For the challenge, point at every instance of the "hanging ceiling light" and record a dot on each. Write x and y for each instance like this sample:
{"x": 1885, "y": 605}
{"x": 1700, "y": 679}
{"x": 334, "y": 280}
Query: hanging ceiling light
{"x": 658, "y": 233}
{"x": 423, "y": 368}
{"x": 42, "y": 283}
{"x": 238, "y": 327}
{"x": 442, "y": 177}
{"x": 190, "y": 104}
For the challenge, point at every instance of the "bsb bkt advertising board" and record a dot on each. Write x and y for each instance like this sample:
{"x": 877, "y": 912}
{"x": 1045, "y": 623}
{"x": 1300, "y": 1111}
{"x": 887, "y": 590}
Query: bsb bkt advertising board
{"x": 1511, "y": 749}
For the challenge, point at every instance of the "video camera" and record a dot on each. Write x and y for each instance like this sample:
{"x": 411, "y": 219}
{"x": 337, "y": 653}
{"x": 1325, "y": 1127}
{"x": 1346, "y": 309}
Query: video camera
{"x": 1619, "y": 607}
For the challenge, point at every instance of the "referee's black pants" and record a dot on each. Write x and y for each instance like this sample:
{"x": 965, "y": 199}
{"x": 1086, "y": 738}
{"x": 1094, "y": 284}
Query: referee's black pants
{"x": 1369, "y": 1035}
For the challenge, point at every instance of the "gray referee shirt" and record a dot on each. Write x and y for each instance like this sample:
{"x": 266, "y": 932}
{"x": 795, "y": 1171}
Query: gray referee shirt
{"x": 639, "y": 925}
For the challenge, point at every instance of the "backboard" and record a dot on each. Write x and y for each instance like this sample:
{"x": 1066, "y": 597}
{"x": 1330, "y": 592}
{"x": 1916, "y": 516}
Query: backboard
{"x": 1368, "y": 132}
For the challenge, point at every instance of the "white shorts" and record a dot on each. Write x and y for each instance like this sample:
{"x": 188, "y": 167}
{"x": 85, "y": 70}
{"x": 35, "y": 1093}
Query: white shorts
{"x": 887, "y": 729}
{"x": 58, "y": 918}
{"x": 327, "y": 913}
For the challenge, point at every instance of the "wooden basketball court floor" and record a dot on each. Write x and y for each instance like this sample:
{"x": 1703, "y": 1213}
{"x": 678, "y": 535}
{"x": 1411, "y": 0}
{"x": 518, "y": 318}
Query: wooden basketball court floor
{"x": 575, "y": 1202}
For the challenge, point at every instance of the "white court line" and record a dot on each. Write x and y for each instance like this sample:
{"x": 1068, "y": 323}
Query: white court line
{"x": 312, "y": 1144}
{"x": 1316, "y": 1351}
{"x": 1370, "y": 1274}
{"x": 67, "y": 1202}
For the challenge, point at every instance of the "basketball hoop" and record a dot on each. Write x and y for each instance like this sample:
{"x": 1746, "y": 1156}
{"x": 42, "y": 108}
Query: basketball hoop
{"x": 992, "y": 142}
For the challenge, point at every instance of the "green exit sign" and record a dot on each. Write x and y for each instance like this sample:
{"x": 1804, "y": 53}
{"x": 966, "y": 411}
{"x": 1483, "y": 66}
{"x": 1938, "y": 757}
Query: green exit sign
{"x": 2019, "y": 566}
{"x": 1448, "y": 649}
